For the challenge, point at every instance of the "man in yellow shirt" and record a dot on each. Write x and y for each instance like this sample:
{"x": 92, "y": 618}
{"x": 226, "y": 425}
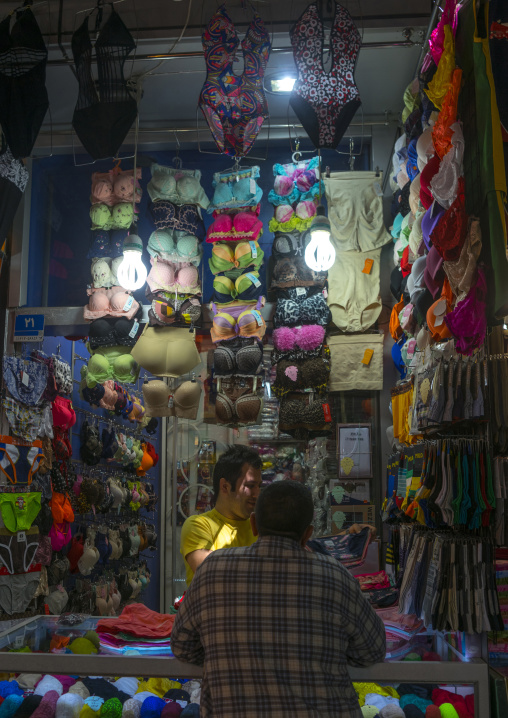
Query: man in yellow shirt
{"x": 236, "y": 485}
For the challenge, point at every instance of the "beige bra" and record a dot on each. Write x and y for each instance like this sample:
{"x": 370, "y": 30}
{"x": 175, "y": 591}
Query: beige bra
{"x": 167, "y": 351}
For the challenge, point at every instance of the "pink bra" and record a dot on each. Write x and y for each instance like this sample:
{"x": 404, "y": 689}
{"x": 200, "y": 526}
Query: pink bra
{"x": 173, "y": 277}
{"x": 110, "y": 397}
{"x": 64, "y": 415}
{"x": 307, "y": 337}
{"x": 242, "y": 226}
{"x": 114, "y": 302}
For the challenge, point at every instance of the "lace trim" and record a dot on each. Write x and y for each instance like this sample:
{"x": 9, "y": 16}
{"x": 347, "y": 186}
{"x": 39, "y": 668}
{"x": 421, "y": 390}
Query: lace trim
{"x": 13, "y": 170}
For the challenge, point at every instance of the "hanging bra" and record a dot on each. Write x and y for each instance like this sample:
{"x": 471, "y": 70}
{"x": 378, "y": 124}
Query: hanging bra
{"x": 167, "y": 309}
{"x": 111, "y": 363}
{"x": 104, "y": 271}
{"x": 173, "y": 277}
{"x": 237, "y": 319}
{"x": 184, "y": 217}
{"x": 286, "y": 218}
{"x": 247, "y": 287}
{"x": 242, "y": 226}
{"x": 177, "y": 185}
{"x": 64, "y": 415}
{"x": 121, "y": 216}
{"x": 167, "y": 351}
{"x": 237, "y": 403}
{"x": 295, "y": 182}
{"x": 239, "y": 357}
{"x": 236, "y": 189}
{"x": 225, "y": 257}
{"x": 174, "y": 246}
{"x": 113, "y": 187}
{"x": 300, "y": 412}
{"x": 107, "y": 332}
{"x": 293, "y": 272}
{"x": 114, "y": 302}
{"x": 307, "y": 337}
{"x": 290, "y": 244}
{"x": 309, "y": 373}
{"x": 301, "y": 305}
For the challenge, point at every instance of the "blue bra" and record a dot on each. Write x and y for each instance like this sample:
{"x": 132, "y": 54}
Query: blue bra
{"x": 296, "y": 182}
{"x": 236, "y": 189}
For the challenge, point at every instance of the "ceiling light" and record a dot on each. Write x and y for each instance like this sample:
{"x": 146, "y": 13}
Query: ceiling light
{"x": 320, "y": 253}
{"x": 280, "y": 84}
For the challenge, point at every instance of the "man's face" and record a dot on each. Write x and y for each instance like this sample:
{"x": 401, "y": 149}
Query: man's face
{"x": 242, "y": 500}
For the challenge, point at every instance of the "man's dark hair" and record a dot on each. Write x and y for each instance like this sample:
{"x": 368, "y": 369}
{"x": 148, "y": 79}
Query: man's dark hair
{"x": 284, "y": 508}
{"x": 230, "y": 464}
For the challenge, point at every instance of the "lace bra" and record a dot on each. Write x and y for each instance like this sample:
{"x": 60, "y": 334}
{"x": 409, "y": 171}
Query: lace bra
{"x": 301, "y": 306}
{"x": 295, "y": 182}
{"x": 236, "y": 189}
{"x": 184, "y": 217}
{"x": 169, "y": 309}
{"x": 173, "y": 277}
{"x": 246, "y": 287}
{"x": 114, "y": 302}
{"x": 237, "y": 319}
{"x": 237, "y": 402}
{"x": 286, "y": 218}
{"x": 301, "y": 412}
{"x": 244, "y": 225}
{"x": 239, "y": 357}
{"x": 225, "y": 257}
{"x": 293, "y": 272}
{"x": 174, "y": 246}
{"x": 113, "y": 332}
{"x": 177, "y": 185}
{"x": 296, "y": 376}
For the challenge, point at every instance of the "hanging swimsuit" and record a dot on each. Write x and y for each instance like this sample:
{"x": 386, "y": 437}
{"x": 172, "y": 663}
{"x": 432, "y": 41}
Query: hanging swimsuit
{"x": 237, "y": 319}
{"x": 234, "y": 106}
{"x": 325, "y": 103}
{"x": 237, "y": 402}
{"x": 23, "y": 94}
{"x": 239, "y": 357}
{"x": 105, "y": 110}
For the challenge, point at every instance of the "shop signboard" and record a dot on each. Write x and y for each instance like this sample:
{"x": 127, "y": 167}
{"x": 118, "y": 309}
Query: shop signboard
{"x": 29, "y": 328}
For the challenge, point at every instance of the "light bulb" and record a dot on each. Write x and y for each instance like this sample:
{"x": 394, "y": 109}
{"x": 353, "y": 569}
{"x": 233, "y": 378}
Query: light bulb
{"x": 320, "y": 253}
{"x": 132, "y": 272}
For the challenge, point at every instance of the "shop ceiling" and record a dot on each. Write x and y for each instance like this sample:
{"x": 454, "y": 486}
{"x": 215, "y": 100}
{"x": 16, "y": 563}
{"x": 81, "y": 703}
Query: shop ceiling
{"x": 392, "y": 31}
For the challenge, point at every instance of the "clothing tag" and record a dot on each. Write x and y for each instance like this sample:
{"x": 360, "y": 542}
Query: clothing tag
{"x": 253, "y": 249}
{"x": 317, "y": 173}
{"x": 369, "y": 353}
{"x": 327, "y": 412}
{"x": 18, "y": 642}
{"x": 255, "y": 281}
{"x": 21, "y": 536}
{"x": 438, "y": 320}
{"x": 300, "y": 291}
{"x": 369, "y": 263}
{"x": 128, "y": 304}
{"x": 170, "y": 402}
{"x": 377, "y": 189}
{"x": 196, "y": 441}
{"x": 258, "y": 317}
{"x": 253, "y": 186}
{"x": 134, "y": 329}
{"x": 25, "y": 379}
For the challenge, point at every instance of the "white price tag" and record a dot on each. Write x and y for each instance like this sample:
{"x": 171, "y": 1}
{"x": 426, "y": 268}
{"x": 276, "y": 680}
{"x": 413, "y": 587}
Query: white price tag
{"x": 18, "y": 642}
{"x": 377, "y": 189}
{"x": 255, "y": 281}
{"x": 21, "y": 536}
{"x": 253, "y": 186}
{"x": 134, "y": 329}
{"x": 253, "y": 249}
{"x": 170, "y": 402}
{"x": 128, "y": 304}
{"x": 258, "y": 317}
{"x": 25, "y": 379}
{"x": 300, "y": 291}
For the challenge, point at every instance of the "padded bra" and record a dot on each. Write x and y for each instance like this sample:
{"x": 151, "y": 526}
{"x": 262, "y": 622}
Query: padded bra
{"x": 295, "y": 182}
{"x": 295, "y": 413}
{"x": 111, "y": 363}
{"x": 308, "y": 337}
{"x": 236, "y": 402}
{"x": 304, "y": 374}
{"x": 168, "y": 310}
{"x": 246, "y": 287}
{"x": 293, "y": 272}
{"x": 113, "y": 332}
{"x": 244, "y": 225}
{"x": 177, "y": 185}
{"x": 236, "y": 189}
{"x": 174, "y": 246}
{"x": 121, "y": 216}
{"x": 173, "y": 277}
{"x": 186, "y": 399}
{"x": 185, "y": 217}
{"x": 238, "y": 319}
{"x": 290, "y": 244}
{"x": 114, "y": 302}
{"x": 64, "y": 415}
{"x": 301, "y": 306}
{"x": 286, "y": 218}
{"x": 225, "y": 257}
{"x": 240, "y": 357}
{"x": 167, "y": 351}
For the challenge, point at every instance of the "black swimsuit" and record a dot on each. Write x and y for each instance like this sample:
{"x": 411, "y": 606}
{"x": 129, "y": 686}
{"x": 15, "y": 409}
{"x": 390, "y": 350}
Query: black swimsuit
{"x": 325, "y": 103}
{"x": 105, "y": 111}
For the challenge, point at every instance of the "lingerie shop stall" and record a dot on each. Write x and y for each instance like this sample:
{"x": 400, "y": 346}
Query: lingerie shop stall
{"x": 276, "y": 260}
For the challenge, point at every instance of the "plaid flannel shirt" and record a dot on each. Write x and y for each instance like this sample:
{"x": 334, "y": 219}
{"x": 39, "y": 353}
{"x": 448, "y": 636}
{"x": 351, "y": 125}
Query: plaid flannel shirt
{"x": 275, "y": 627}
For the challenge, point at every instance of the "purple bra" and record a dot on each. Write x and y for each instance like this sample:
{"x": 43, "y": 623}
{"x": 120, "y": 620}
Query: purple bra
{"x": 430, "y": 220}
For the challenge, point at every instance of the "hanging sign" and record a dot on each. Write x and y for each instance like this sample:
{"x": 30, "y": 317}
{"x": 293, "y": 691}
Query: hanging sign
{"x": 29, "y": 328}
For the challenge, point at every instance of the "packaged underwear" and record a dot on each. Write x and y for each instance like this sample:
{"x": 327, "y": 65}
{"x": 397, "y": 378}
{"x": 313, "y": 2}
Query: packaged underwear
{"x": 25, "y": 380}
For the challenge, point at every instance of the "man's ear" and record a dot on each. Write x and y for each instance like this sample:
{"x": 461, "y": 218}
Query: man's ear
{"x": 224, "y": 486}
{"x": 306, "y": 536}
{"x": 253, "y": 524}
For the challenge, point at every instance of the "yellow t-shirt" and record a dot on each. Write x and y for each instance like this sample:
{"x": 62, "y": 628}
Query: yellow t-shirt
{"x": 211, "y": 531}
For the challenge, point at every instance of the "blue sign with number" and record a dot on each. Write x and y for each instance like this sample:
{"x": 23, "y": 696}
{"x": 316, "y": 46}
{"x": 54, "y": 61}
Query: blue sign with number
{"x": 29, "y": 328}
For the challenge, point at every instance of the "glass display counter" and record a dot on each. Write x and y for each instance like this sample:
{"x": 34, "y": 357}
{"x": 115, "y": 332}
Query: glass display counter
{"x": 457, "y": 659}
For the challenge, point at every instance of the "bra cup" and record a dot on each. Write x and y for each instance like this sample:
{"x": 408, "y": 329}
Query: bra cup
{"x": 187, "y": 396}
{"x": 188, "y": 189}
{"x": 122, "y": 327}
{"x": 249, "y": 358}
{"x": 119, "y": 300}
{"x": 224, "y": 360}
{"x": 247, "y": 408}
{"x": 98, "y": 370}
{"x": 164, "y": 183}
{"x": 124, "y": 368}
{"x": 241, "y": 189}
{"x": 224, "y": 409}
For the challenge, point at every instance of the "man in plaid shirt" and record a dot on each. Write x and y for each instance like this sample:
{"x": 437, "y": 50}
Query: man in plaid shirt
{"x": 275, "y": 625}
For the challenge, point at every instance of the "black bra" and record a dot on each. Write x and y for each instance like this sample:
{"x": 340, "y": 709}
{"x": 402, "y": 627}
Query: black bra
{"x": 290, "y": 244}
{"x": 301, "y": 305}
{"x": 183, "y": 217}
{"x": 110, "y": 332}
{"x": 239, "y": 357}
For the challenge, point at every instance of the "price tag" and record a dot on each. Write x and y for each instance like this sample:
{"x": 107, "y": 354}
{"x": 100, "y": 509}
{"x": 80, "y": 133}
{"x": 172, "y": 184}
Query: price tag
{"x": 25, "y": 379}
{"x": 253, "y": 249}
{"x": 128, "y": 304}
{"x": 134, "y": 329}
{"x": 170, "y": 402}
{"x": 317, "y": 173}
{"x": 327, "y": 412}
{"x": 21, "y": 536}
{"x": 377, "y": 189}
{"x": 300, "y": 291}
{"x": 255, "y": 281}
{"x": 196, "y": 441}
{"x": 258, "y": 317}
{"x": 369, "y": 263}
{"x": 18, "y": 642}
{"x": 253, "y": 186}
{"x": 369, "y": 353}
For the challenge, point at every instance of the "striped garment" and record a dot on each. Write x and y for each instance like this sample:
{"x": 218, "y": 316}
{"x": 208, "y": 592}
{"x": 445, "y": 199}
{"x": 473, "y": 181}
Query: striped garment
{"x": 275, "y": 627}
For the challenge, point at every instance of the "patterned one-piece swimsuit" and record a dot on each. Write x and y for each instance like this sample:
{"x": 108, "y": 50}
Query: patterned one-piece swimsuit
{"x": 234, "y": 106}
{"x": 325, "y": 102}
